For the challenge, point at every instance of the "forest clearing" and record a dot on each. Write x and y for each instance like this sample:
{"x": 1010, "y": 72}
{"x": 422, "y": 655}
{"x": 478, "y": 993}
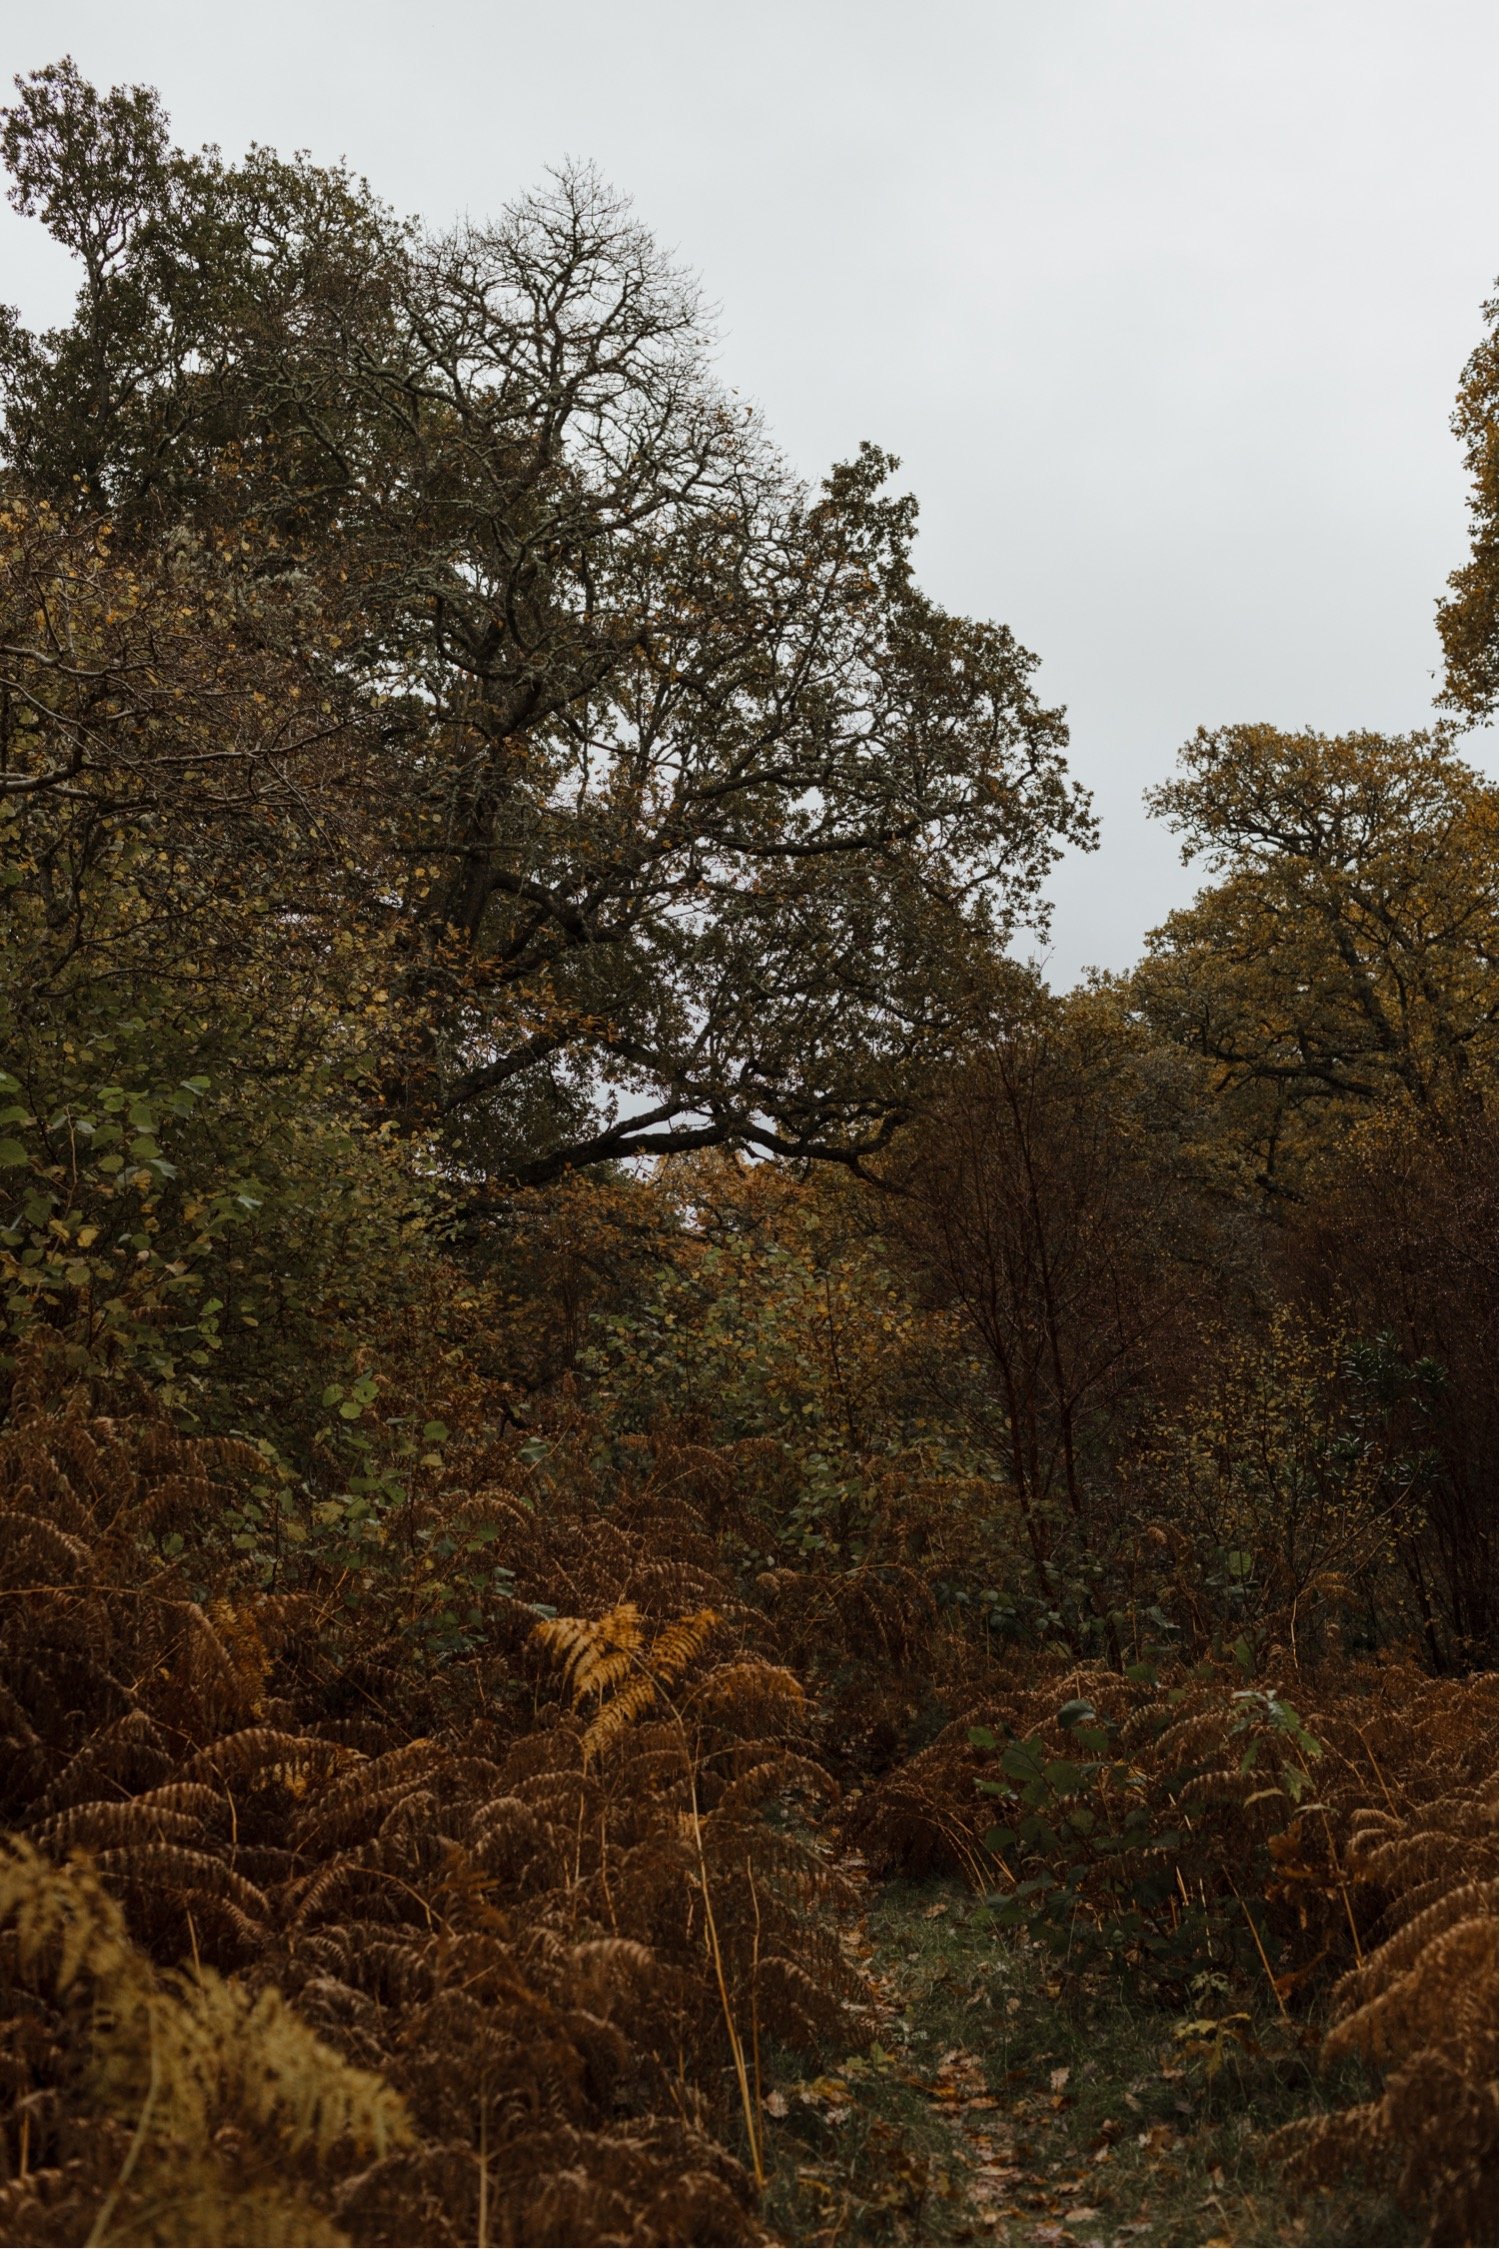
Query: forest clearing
{"x": 681, "y": 1561}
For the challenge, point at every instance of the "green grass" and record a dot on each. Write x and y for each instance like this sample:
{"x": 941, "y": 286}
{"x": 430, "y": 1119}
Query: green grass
{"x": 995, "y": 2102}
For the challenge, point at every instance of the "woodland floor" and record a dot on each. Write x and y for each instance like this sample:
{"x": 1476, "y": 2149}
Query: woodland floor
{"x": 996, "y": 2104}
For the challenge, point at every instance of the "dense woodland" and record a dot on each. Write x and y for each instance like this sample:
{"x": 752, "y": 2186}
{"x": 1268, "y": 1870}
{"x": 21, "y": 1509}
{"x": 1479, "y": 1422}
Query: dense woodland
{"x": 614, "y": 1427}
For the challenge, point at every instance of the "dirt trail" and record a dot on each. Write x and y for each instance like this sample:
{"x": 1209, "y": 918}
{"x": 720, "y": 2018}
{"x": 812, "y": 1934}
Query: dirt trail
{"x": 991, "y": 2106}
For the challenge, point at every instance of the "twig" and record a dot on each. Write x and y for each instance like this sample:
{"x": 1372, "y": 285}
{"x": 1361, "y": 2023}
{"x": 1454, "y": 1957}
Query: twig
{"x": 1260, "y": 1948}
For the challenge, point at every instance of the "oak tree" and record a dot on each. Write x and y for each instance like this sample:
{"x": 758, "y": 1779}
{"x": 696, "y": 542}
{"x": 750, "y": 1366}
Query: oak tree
{"x": 1468, "y": 616}
{"x": 1347, "y": 952}
{"x": 689, "y": 819}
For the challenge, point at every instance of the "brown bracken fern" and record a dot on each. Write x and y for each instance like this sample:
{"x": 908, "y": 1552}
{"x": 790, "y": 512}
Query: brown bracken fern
{"x": 1421, "y": 2008}
{"x": 207, "y": 2097}
{"x": 487, "y": 1906}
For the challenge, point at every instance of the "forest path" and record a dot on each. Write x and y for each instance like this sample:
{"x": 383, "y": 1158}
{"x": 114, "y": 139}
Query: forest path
{"x": 993, "y": 2104}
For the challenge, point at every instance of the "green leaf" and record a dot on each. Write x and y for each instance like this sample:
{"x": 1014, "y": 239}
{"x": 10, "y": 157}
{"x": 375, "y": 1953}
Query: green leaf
{"x": 12, "y": 1153}
{"x": 981, "y": 1737}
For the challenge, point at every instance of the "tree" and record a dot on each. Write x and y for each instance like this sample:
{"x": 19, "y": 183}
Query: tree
{"x": 1055, "y": 1197}
{"x": 688, "y": 818}
{"x": 185, "y": 1020}
{"x": 1469, "y": 618}
{"x": 1395, "y": 1246}
{"x": 1348, "y": 953}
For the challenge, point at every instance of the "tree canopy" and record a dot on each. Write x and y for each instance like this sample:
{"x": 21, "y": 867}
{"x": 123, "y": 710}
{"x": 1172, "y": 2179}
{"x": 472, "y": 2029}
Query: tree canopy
{"x": 1348, "y": 948}
{"x": 1468, "y": 615}
{"x": 683, "y": 816}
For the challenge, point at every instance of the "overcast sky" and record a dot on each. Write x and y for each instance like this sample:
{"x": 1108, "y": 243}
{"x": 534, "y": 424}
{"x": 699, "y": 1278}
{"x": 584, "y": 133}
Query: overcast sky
{"x": 1161, "y": 302}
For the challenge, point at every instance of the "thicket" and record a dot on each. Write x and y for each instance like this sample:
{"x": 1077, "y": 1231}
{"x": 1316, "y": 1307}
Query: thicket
{"x": 581, "y": 1345}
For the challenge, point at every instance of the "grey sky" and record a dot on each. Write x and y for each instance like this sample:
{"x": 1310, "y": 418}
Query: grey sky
{"x": 1162, "y": 302}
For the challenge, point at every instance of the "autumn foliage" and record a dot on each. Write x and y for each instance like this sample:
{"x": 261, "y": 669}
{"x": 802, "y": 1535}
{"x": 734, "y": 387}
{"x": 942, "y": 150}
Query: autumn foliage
{"x": 587, "y": 1365}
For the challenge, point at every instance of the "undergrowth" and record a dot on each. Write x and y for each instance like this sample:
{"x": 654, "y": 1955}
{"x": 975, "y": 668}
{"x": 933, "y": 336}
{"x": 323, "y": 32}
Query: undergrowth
{"x": 564, "y": 1931}
{"x": 1003, "y": 2102}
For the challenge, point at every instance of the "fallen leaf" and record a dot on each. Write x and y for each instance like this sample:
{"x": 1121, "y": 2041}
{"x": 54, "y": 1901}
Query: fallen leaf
{"x": 775, "y": 2104}
{"x": 823, "y": 2089}
{"x": 1059, "y": 2079}
{"x": 1080, "y": 2216}
{"x": 932, "y": 1911}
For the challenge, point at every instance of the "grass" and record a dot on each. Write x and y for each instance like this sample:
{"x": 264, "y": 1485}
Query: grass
{"x": 994, "y": 2103}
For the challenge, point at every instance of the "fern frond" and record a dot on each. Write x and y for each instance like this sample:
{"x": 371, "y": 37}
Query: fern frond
{"x": 114, "y": 1826}
{"x": 750, "y": 1691}
{"x": 629, "y": 1704}
{"x": 255, "y": 1752}
{"x": 592, "y": 1653}
{"x": 180, "y": 2057}
{"x": 678, "y": 1643}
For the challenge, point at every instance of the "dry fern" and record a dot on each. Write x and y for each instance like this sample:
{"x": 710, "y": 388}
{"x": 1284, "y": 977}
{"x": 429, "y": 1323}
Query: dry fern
{"x": 220, "y": 2090}
{"x": 607, "y": 1660}
{"x": 499, "y": 1907}
{"x": 1422, "y": 2008}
